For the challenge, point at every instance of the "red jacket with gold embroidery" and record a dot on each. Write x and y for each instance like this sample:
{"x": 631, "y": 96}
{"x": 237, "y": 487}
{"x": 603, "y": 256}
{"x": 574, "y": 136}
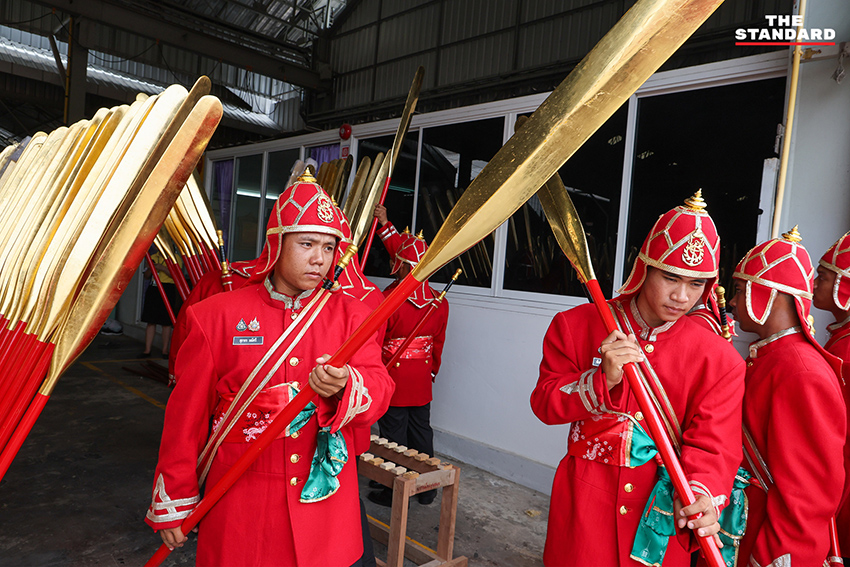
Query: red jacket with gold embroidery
{"x": 415, "y": 371}
{"x": 793, "y": 408}
{"x": 597, "y": 499}
{"x": 261, "y": 521}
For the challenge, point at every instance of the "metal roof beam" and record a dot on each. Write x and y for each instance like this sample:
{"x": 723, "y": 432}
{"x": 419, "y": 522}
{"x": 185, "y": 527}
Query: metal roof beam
{"x": 188, "y": 39}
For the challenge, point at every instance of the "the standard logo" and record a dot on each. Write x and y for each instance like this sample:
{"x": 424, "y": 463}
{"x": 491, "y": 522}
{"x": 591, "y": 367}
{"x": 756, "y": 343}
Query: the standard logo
{"x": 784, "y": 30}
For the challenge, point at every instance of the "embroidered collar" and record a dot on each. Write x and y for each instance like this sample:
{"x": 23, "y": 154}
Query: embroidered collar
{"x": 293, "y": 303}
{"x": 774, "y": 337}
{"x": 647, "y": 333}
{"x": 831, "y": 329}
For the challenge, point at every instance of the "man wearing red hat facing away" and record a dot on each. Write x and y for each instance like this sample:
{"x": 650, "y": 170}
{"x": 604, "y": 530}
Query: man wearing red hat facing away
{"x": 611, "y": 503}
{"x": 247, "y": 353}
{"x": 794, "y": 417}
{"x": 832, "y": 293}
{"x": 408, "y": 419}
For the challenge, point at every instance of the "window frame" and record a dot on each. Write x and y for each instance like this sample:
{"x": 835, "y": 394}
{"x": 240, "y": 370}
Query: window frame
{"x": 746, "y": 69}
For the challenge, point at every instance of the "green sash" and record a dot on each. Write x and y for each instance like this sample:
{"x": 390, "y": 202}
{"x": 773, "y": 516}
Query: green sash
{"x": 330, "y": 456}
{"x": 657, "y": 523}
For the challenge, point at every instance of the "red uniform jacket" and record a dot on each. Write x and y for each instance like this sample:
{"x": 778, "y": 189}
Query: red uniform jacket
{"x": 595, "y": 507}
{"x": 790, "y": 410}
{"x": 414, "y": 372}
{"x": 209, "y": 285}
{"x": 839, "y": 345}
{"x": 260, "y": 521}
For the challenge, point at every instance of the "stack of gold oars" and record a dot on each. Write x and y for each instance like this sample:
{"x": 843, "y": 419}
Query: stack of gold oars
{"x": 190, "y": 230}
{"x": 79, "y": 208}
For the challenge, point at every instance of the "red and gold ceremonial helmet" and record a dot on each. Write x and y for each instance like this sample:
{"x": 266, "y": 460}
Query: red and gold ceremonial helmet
{"x": 302, "y": 207}
{"x": 837, "y": 259}
{"x": 781, "y": 265}
{"x": 682, "y": 241}
{"x": 410, "y": 251}
{"x": 778, "y": 265}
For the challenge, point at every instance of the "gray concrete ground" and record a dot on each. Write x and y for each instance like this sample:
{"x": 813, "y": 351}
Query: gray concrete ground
{"x": 78, "y": 489}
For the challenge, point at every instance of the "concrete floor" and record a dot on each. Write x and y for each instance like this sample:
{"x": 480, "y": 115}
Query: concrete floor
{"x": 78, "y": 490}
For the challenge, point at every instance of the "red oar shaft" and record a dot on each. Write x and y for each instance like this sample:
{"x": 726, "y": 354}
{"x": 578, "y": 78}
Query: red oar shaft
{"x": 179, "y": 280}
{"x": 31, "y": 383}
{"x": 835, "y": 549}
{"x": 190, "y": 269}
{"x": 363, "y": 333}
{"x": 656, "y": 429}
{"x": 374, "y": 225}
{"x": 10, "y": 374}
{"x": 23, "y": 429}
{"x": 7, "y": 343}
{"x": 162, "y": 293}
{"x": 414, "y": 333}
{"x": 36, "y": 402}
{"x": 212, "y": 261}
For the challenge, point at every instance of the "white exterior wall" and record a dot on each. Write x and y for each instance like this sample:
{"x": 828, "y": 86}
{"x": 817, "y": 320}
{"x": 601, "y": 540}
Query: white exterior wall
{"x": 817, "y": 192}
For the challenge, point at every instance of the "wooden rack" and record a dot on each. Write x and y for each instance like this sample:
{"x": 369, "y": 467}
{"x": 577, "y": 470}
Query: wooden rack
{"x": 409, "y": 472}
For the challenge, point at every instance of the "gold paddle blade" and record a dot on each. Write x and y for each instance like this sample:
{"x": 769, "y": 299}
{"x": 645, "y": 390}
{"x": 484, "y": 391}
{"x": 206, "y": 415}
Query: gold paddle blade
{"x": 627, "y": 56}
{"x": 363, "y": 218}
{"x": 118, "y": 257}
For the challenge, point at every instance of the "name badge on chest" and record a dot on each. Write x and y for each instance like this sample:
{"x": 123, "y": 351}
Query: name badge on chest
{"x": 239, "y": 341}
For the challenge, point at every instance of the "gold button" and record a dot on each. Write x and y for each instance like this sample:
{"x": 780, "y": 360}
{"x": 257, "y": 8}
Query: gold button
{"x": 623, "y": 510}
{"x": 294, "y": 361}
{"x": 397, "y": 364}
{"x": 295, "y": 434}
{"x": 629, "y": 487}
{"x": 296, "y": 457}
{"x": 293, "y": 481}
{"x": 294, "y": 315}
{"x": 648, "y": 348}
{"x": 750, "y": 363}
{"x": 639, "y": 416}
{"x": 427, "y": 361}
{"x": 296, "y": 385}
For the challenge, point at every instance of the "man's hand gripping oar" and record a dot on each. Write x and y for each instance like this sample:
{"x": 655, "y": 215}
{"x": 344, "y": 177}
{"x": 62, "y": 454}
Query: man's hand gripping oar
{"x": 620, "y": 63}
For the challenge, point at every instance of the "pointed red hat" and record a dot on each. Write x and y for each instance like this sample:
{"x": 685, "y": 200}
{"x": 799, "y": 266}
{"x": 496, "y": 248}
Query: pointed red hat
{"x": 781, "y": 265}
{"x": 837, "y": 259}
{"x": 683, "y": 241}
{"x": 302, "y": 207}
{"x": 410, "y": 251}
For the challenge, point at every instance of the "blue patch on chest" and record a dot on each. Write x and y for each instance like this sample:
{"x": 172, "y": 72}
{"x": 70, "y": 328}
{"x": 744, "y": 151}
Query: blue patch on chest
{"x": 238, "y": 341}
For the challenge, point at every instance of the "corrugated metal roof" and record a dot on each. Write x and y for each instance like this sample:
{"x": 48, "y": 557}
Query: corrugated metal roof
{"x": 42, "y": 60}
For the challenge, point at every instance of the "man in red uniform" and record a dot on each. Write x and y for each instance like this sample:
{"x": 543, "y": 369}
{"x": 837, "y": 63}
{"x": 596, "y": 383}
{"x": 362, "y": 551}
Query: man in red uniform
{"x": 247, "y": 353}
{"x": 794, "y": 417}
{"x": 604, "y": 508}
{"x": 832, "y": 293}
{"x": 408, "y": 419}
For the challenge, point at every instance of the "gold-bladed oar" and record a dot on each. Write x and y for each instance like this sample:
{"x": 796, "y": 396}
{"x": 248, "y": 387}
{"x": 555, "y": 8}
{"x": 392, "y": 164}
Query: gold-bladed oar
{"x": 357, "y": 187}
{"x": 634, "y": 48}
{"x": 123, "y": 247}
{"x": 374, "y": 195}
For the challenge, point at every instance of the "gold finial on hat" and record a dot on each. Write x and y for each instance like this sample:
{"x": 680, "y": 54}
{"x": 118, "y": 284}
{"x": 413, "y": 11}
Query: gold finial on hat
{"x": 793, "y": 235}
{"x": 696, "y": 201}
{"x": 333, "y": 200}
{"x": 406, "y": 230}
{"x": 307, "y": 176}
{"x": 421, "y": 235}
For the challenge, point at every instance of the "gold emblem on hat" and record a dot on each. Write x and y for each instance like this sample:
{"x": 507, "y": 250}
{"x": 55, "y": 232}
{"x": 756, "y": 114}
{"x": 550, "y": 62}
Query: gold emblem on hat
{"x": 694, "y": 251}
{"x": 325, "y": 209}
